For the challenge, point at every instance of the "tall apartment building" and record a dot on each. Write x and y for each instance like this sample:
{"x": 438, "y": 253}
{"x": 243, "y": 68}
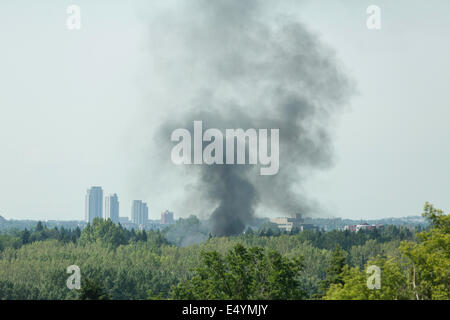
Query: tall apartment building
{"x": 112, "y": 208}
{"x": 167, "y": 217}
{"x": 139, "y": 212}
{"x": 93, "y": 204}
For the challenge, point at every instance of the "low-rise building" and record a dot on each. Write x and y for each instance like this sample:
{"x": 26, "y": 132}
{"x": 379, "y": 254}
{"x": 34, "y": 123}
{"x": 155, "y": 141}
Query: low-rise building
{"x": 294, "y": 222}
{"x": 362, "y": 226}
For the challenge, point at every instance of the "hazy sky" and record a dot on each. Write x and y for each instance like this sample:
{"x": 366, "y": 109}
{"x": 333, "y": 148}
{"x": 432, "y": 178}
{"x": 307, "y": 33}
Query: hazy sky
{"x": 77, "y": 108}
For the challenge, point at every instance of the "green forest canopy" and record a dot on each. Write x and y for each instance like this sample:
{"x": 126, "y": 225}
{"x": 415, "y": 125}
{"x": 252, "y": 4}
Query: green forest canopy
{"x": 117, "y": 263}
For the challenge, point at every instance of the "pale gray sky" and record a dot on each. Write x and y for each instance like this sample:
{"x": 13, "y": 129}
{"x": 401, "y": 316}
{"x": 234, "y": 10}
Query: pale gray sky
{"x": 77, "y": 107}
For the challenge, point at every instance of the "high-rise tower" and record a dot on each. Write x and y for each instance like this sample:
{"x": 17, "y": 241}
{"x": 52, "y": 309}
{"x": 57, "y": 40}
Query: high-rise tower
{"x": 139, "y": 212}
{"x": 112, "y": 208}
{"x": 94, "y": 204}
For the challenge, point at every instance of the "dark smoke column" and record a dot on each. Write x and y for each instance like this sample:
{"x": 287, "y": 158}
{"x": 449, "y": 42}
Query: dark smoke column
{"x": 236, "y": 196}
{"x": 247, "y": 69}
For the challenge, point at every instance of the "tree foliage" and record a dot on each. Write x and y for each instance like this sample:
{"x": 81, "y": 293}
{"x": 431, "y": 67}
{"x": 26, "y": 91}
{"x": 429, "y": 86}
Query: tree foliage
{"x": 421, "y": 272}
{"x": 243, "y": 274}
{"x": 118, "y": 263}
{"x": 93, "y": 290}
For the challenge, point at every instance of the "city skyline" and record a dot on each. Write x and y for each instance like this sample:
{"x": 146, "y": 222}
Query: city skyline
{"x": 99, "y": 205}
{"x": 94, "y": 207}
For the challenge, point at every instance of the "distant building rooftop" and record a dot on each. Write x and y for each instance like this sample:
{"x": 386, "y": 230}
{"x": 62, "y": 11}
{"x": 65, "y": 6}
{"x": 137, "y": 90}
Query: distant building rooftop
{"x": 295, "y": 221}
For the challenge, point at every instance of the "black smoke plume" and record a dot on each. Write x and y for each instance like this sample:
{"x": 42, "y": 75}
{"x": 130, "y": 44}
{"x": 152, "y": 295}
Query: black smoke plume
{"x": 242, "y": 67}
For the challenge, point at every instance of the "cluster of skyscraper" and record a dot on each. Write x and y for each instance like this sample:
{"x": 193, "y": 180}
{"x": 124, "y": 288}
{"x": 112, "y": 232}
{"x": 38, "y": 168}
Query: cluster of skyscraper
{"x": 94, "y": 207}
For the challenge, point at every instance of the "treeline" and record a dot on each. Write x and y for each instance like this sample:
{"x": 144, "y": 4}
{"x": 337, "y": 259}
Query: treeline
{"x": 117, "y": 263}
{"x": 103, "y": 232}
{"x": 344, "y": 239}
{"x": 16, "y": 238}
